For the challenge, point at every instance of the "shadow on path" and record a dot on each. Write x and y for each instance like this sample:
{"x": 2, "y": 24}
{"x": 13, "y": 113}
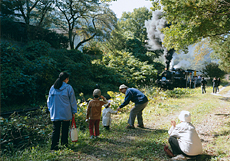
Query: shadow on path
{"x": 202, "y": 157}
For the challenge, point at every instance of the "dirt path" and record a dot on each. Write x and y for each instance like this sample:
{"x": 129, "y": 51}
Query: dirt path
{"x": 208, "y": 129}
{"x": 214, "y": 120}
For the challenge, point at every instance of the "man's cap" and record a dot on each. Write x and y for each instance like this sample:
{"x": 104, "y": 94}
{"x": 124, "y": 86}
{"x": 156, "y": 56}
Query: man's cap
{"x": 122, "y": 87}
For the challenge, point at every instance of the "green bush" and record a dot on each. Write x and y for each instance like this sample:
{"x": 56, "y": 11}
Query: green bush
{"x": 25, "y": 81}
{"x": 16, "y": 31}
{"x": 19, "y": 132}
{"x": 133, "y": 71}
{"x": 178, "y": 92}
{"x": 16, "y": 85}
{"x": 30, "y": 71}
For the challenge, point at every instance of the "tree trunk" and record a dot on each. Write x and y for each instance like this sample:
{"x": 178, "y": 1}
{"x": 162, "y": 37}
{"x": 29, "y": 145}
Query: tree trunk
{"x": 71, "y": 40}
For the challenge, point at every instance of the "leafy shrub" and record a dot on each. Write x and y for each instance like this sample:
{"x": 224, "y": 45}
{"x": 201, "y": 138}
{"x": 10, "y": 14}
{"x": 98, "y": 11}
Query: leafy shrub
{"x": 134, "y": 72}
{"x": 37, "y": 48}
{"x": 19, "y": 132}
{"x": 16, "y": 85}
{"x": 16, "y": 31}
{"x": 178, "y": 92}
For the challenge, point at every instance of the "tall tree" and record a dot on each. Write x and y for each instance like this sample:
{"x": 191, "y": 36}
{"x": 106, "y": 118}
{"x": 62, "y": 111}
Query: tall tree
{"x": 28, "y": 11}
{"x": 85, "y": 18}
{"x": 134, "y": 22}
{"x": 212, "y": 70}
{"x": 221, "y": 51}
{"x": 194, "y": 20}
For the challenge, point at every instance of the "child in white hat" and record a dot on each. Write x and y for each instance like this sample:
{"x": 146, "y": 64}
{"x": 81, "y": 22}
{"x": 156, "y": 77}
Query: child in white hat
{"x": 106, "y": 115}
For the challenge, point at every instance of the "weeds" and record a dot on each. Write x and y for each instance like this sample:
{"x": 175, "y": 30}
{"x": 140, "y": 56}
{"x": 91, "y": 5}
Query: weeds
{"x": 119, "y": 143}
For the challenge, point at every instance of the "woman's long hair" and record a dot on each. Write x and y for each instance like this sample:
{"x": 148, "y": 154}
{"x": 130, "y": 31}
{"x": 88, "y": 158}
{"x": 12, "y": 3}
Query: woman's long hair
{"x": 61, "y": 78}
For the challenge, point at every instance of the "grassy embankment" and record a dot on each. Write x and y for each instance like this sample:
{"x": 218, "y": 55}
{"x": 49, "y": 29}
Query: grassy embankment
{"x": 145, "y": 144}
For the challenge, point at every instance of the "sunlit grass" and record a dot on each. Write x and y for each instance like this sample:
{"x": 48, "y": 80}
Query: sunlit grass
{"x": 140, "y": 144}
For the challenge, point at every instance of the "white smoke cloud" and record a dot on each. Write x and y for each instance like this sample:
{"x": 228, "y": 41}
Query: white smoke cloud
{"x": 156, "y": 37}
{"x": 183, "y": 63}
{"x": 153, "y": 27}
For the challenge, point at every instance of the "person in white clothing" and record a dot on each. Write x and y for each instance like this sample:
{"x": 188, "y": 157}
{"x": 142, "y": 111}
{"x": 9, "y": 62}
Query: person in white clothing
{"x": 106, "y": 115}
{"x": 184, "y": 139}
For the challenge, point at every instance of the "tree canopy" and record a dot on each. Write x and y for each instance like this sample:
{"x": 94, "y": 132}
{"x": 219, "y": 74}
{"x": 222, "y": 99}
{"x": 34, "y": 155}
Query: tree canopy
{"x": 194, "y": 20}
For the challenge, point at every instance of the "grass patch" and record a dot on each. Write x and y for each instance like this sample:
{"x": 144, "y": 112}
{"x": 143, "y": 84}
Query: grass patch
{"x": 139, "y": 144}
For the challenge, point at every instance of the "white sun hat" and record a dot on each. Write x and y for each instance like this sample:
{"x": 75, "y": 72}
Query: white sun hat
{"x": 185, "y": 116}
{"x": 108, "y": 103}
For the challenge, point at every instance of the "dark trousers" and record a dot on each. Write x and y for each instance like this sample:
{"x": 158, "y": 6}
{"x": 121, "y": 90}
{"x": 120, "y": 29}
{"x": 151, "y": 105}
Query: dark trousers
{"x": 106, "y": 127}
{"x": 214, "y": 89}
{"x": 56, "y": 133}
{"x": 175, "y": 146}
{"x": 203, "y": 89}
{"x": 94, "y": 126}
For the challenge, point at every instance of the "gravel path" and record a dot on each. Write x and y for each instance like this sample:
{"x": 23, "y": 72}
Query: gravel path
{"x": 208, "y": 129}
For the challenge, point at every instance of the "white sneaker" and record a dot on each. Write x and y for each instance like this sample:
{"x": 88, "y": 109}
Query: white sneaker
{"x": 179, "y": 157}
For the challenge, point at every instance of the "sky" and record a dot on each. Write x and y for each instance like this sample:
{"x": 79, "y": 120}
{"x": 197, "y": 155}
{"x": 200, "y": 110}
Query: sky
{"x": 121, "y": 6}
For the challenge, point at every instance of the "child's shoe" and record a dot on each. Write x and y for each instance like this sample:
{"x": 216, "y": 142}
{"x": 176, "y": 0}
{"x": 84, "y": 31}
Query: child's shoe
{"x": 91, "y": 137}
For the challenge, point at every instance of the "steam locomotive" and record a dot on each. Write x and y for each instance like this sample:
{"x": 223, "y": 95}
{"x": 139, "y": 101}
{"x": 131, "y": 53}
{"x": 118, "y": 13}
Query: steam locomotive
{"x": 178, "y": 78}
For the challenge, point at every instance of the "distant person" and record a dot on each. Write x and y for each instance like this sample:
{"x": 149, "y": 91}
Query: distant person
{"x": 106, "y": 116}
{"x": 203, "y": 85}
{"x": 140, "y": 100}
{"x": 214, "y": 85}
{"x": 94, "y": 113}
{"x": 62, "y": 105}
{"x": 218, "y": 84}
{"x": 184, "y": 140}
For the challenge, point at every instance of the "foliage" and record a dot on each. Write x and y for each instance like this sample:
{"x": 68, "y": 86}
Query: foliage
{"x": 178, "y": 92}
{"x": 221, "y": 51}
{"x": 38, "y": 48}
{"x": 91, "y": 20}
{"x": 32, "y": 70}
{"x": 31, "y": 11}
{"x": 92, "y": 50}
{"x": 19, "y": 132}
{"x": 134, "y": 23}
{"x": 140, "y": 144}
{"x": 28, "y": 73}
{"x": 16, "y": 31}
{"x": 12, "y": 63}
{"x": 134, "y": 72}
{"x": 212, "y": 70}
{"x": 200, "y": 19}
{"x": 132, "y": 33}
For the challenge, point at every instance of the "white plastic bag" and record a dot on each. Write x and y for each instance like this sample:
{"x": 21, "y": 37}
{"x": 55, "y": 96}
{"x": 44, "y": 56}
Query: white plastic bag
{"x": 73, "y": 131}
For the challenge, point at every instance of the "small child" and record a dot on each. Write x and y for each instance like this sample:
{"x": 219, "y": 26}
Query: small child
{"x": 94, "y": 113}
{"x": 106, "y": 115}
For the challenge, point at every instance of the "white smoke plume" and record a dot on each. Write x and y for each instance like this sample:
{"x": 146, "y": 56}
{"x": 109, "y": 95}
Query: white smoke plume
{"x": 156, "y": 37}
{"x": 153, "y": 27}
{"x": 183, "y": 63}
